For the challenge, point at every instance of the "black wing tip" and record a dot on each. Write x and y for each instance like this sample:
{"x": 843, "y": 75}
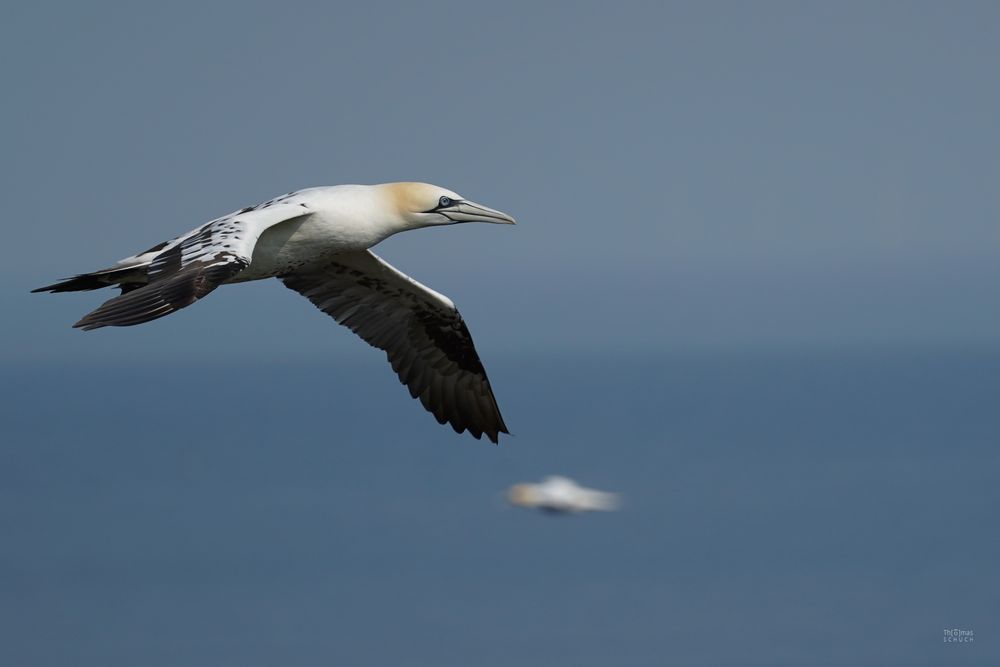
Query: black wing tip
{"x": 501, "y": 427}
{"x": 494, "y": 436}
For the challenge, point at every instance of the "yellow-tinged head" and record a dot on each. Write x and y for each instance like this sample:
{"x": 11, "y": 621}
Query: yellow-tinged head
{"x": 423, "y": 205}
{"x": 523, "y": 495}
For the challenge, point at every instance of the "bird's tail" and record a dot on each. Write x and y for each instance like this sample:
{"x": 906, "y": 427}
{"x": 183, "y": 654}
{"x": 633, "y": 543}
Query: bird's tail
{"x": 128, "y": 278}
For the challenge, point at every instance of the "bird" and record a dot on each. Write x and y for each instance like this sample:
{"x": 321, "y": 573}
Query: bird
{"x": 317, "y": 242}
{"x": 561, "y": 495}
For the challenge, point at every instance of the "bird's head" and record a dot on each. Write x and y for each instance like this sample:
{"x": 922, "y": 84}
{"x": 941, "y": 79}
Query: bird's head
{"x": 426, "y": 205}
{"x": 524, "y": 495}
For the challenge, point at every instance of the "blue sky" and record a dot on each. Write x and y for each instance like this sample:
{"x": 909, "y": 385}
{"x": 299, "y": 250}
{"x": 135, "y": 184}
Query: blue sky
{"x": 698, "y": 185}
{"x": 685, "y": 175}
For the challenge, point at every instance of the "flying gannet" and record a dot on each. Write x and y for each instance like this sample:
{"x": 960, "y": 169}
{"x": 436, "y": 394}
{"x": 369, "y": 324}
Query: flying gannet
{"x": 316, "y": 241}
{"x": 562, "y": 495}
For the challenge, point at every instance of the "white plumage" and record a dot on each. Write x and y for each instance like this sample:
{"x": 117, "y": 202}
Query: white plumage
{"x": 316, "y": 242}
{"x": 562, "y": 495}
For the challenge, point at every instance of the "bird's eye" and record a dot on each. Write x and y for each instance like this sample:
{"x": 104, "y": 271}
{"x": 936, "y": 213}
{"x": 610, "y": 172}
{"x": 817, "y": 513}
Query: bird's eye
{"x": 444, "y": 202}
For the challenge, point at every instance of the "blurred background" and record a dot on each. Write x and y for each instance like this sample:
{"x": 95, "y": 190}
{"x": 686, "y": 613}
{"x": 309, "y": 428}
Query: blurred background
{"x": 752, "y": 289}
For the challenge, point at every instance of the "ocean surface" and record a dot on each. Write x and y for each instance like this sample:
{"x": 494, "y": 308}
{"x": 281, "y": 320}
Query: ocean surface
{"x": 781, "y": 508}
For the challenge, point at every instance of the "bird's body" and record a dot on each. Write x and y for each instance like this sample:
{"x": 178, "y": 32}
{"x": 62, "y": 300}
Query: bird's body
{"x": 332, "y": 229}
{"x": 561, "y": 495}
{"x": 346, "y": 218}
{"x": 316, "y": 241}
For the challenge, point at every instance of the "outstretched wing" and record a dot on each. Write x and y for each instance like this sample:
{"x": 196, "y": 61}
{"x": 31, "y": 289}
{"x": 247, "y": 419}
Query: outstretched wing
{"x": 421, "y": 331}
{"x": 192, "y": 266}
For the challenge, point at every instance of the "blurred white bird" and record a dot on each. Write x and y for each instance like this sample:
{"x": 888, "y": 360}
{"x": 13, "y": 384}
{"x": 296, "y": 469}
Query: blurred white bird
{"x": 562, "y": 495}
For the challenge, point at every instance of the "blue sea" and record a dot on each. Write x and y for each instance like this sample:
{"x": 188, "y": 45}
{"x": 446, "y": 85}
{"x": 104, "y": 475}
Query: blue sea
{"x": 834, "y": 507}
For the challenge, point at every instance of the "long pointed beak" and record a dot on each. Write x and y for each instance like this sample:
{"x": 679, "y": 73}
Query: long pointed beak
{"x": 469, "y": 211}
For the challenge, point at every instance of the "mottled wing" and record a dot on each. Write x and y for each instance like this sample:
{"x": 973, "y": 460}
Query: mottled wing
{"x": 186, "y": 270}
{"x": 421, "y": 332}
